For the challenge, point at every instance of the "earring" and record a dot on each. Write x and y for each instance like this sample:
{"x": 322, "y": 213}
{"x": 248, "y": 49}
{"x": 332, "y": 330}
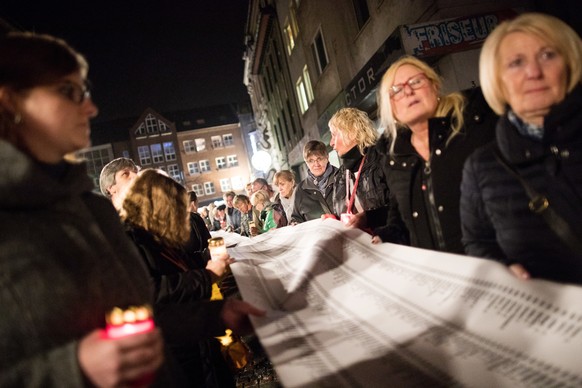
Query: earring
{"x": 438, "y": 99}
{"x": 17, "y": 118}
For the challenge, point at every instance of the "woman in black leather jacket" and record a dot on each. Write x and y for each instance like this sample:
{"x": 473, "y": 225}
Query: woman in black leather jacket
{"x": 427, "y": 138}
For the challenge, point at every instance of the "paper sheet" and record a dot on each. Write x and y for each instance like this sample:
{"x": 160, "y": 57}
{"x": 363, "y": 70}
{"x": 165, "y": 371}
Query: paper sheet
{"x": 345, "y": 313}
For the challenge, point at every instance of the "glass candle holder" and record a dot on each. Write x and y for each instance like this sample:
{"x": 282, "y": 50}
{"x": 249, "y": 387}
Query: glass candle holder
{"x": 217, "y": 248}
{"x": 134, "y": 320}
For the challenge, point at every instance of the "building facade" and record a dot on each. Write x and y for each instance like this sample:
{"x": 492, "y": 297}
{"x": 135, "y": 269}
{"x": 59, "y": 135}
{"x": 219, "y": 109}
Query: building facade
{"x": 336, "y": 51}
{"x": 204, "y": 149}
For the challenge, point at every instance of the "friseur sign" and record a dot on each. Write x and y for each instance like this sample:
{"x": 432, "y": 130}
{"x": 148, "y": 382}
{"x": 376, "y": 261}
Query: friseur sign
{"x": 450, "y": 35}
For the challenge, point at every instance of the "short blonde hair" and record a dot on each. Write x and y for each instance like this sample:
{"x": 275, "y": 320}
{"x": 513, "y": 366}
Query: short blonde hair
{"x": 354, "y": 125}
{"x": 285, "y": 175}
{"x": 452, "y": 103}
{"x": 545, "y": 27}
{"x": 261, "y": 196}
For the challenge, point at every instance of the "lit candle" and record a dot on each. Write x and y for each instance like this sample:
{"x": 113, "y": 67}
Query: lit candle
{"x": 217, "y": 248}
{"x": 134, "y": 320}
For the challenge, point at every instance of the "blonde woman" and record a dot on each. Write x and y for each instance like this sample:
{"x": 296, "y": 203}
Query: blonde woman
{"x": 260, "y": 201}
{"x": 428, "y": 135}
{"x": 531, "y": 70}
{"x": 360, "y": 183}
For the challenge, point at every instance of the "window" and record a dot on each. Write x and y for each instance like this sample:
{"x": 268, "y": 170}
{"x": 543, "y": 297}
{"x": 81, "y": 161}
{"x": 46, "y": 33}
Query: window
{"x": 189, "y": 146}
{"x": 140, "y": 131}
{"x": 169, "y": 151}
{"x": 209, "y": 188}
{"x": 225, "y": 185}
{"x": 144, "y": 155}
{"x": 198, "y": 188}
{"x": 304, "y": 90}
{"x": 200, "y": 144}
{"x": 227, "y": 139}
{"x": 174, "y": 172}
{"x": 362, "y": 12}
{"x": 237, "y": 183}
{"x": 204, "y": 166}
{"x": 221, "y": 162}
{"x": 289, "y": 38}
{"x": 319, "y": 52}
{"x": 232, "y": 161}
{"x": 216, "y": 142}
{"x": 151, "y": 124}
{"x": 193, "y": 168}
{"x": 157, "y": 155}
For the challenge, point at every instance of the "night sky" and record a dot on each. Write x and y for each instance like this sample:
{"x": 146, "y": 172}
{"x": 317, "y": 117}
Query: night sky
{"x": 167, "y": 55}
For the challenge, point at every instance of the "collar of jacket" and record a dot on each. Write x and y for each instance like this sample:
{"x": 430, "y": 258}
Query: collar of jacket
{"x": 20, "y": 176}
{"x": 438, "y": 132}
{"x": 557, "y": 134}
{"x": 352, "y": 158}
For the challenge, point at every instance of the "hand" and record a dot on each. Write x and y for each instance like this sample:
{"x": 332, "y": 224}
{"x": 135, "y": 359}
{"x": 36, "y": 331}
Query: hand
{"x": 519, "y": 271}
{"x": 358, "y": 221}
{"x": 328, "y": 215}
{"x": 118, "y": 362}
{"x": 235, "y": 315}
{"x": 254, "y": 231}
{"x": 376, "y": 240}
{"x": 217, "y": 267}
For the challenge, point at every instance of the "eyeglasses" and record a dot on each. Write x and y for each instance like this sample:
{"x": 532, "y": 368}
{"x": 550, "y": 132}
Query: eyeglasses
{"x": 75, "y": 92}
{"x": 318, "y": 160}
{"x": 415, "y": 82}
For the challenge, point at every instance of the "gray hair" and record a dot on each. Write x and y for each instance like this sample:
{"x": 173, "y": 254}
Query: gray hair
{"x": 107, "y": 176}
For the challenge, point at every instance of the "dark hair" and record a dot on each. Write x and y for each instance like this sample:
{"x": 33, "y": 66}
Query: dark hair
{"x": 193, "y": 196}
{"x": 314, "y": 147}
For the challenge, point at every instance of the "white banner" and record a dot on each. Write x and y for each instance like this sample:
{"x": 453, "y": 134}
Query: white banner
{"x": 345, "y": 313}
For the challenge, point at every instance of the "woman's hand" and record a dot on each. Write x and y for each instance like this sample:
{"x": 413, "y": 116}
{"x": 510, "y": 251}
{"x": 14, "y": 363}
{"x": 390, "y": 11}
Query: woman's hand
{"x": 519, "y": 271}
{"x": 217, "y": 267}
{"x": 120, "y": 362}
{"x": 235, "y": 315}
{"x": 376, "y": 240}
{"x": 358, "y": 221}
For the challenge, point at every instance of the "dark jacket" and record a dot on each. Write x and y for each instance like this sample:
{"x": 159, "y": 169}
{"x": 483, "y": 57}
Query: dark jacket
{"x": 427, "y": 194}
{"x": 64, "y": 263}
{"x": 178, "y": 280}
{"x": 310, "y": 203}
{"x": 372, "y": 190}
{"x": 494, "y": 207}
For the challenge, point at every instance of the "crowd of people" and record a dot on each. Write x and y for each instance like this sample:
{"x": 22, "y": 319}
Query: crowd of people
{"x": 488, "y": 172}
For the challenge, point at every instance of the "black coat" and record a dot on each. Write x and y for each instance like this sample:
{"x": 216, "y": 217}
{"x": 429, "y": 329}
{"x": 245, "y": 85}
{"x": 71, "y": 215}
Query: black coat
{"x": 372, "y": 191}
{"x": 494, "y": 206}
{"x": 427, "y": 194}
{"x": 310, "y": 203}
{"x": 179, "y": 286}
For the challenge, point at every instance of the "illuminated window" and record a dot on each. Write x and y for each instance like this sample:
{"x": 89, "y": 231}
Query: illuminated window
{"x": 200, "y": 145}
{"x": 157, "y": 155}
{"x": 169, "y": 151}
{"x": 237, "y": 183}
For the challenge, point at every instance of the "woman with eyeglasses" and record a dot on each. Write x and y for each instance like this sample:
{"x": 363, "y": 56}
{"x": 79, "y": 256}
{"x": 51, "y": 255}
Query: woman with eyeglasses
{"x": 64, "y": 259}
{"x": 313, "y": 195}
{"x": 427, "y": 137}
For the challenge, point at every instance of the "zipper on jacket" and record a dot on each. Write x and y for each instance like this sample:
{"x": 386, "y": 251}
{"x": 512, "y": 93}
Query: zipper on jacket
{"x": 432, "y": 208}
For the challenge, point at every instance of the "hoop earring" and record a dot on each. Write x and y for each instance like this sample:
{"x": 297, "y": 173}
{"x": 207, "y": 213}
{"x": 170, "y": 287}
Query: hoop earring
{"x": 17, "y": 118}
